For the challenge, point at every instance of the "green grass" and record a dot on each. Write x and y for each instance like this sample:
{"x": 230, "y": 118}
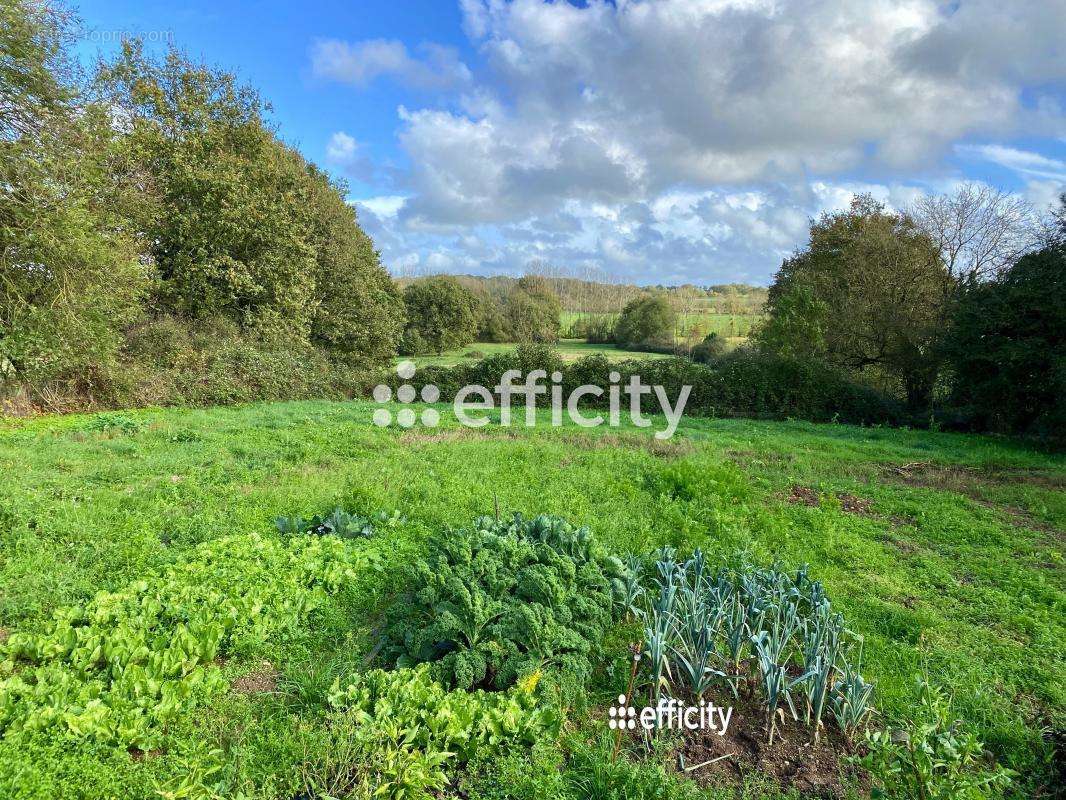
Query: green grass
{"x": 957, "y": 569}
{"x": 569, "y": 349}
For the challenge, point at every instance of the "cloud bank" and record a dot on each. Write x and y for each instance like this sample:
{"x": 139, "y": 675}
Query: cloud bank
{"x": 690, "y": 140}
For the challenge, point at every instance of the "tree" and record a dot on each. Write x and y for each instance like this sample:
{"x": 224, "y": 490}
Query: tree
{"x": 532, "y": 310}
{"x": 1008, "y": 346}
{"x": 35, "y": 87}
{"x": 358, "y": 312}
{"x": 868, "y": 291}
{"x": 231, "y": 227}
{"x": 71, "y": 275}
{"x": 646, "y": 321}
{"x": 979, "y": 231}
{"x": 441, "y": 315}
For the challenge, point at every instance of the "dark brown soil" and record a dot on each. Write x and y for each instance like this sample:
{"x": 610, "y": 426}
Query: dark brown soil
{"x": 855, "y": 505}
{"x": 793, "y": 761}
{"x": 804, "y": 495}
{"x": 141, "y": 755}
{"x": 263, "y": 679}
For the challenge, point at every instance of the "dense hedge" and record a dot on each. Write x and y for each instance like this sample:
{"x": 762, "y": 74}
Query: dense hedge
{"x": 743, "y": 383}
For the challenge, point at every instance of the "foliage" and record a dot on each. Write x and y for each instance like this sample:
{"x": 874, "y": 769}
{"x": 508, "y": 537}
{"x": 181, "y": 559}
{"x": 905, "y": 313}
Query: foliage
{"x": 441, "y": 315}
{"x": 337, "y": 523}
{"x": 868, "y": 291}
{"x": 358, "y": 312}
{"x": 431, "y": 729}
{"x": 532, "y": 310}
{"x": 1007, "y": 347}
{"x": 646, "y": 321}
{"x": 743, "y": 624}
{"x": 70, "y": 276}
{"x": 712, "y": 347}
{"x": 502, "y": 599}
{"x": 123, "y": 666}
{"x": 932, "y": 756}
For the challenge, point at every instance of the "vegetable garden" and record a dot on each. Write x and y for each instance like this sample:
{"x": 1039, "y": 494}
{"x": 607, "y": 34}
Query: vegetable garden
{"x": 282, "y": 601}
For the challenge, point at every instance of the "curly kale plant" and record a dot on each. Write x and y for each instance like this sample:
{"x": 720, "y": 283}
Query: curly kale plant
{"x": 496, "y": 601}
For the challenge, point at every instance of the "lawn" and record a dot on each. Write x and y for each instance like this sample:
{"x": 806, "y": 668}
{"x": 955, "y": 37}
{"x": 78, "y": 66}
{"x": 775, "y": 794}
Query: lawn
{"x": 944, "y": 551}
{"x": 569, "y": 349}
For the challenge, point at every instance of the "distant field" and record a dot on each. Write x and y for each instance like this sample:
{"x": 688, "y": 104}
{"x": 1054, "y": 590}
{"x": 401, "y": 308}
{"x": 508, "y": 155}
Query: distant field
{"x": 727, "y": 325}
{"x": 571, "y": 350}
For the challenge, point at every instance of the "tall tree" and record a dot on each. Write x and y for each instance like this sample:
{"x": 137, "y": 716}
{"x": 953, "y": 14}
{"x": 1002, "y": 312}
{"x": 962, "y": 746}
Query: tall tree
{"x": 71, "y": 276}
{"x": 1008, "y": 346}
{"x": 867, "y": 292}
{"x": 980, "y": 231}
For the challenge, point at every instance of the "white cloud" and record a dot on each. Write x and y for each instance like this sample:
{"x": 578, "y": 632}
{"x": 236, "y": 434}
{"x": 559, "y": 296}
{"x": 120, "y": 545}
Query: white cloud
{"x": 360, "y": 63}
{"x": 1022, "y": 161}
{"x": 341, "y": 148}
{"x": 696, "y": 137}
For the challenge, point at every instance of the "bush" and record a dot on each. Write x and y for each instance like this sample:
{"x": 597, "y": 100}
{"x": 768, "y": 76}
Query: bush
{"x": 742, "y": 383}
{"x": 646, "y": 321}
{"x": 932, "y": 757}
{"x": 711, "y": 348}
{"x": 503, "y": 599}
{"x": 442, "y": 314}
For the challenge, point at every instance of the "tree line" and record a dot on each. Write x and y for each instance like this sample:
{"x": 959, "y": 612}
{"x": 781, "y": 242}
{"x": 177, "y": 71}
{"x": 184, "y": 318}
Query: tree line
{"x": 958, "y": 305}
{"x": 157, "y": 235}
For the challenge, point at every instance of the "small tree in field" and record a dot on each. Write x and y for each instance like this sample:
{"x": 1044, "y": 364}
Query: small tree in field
{"x": 441, "y": 315}
{"x": 646, "y": 321}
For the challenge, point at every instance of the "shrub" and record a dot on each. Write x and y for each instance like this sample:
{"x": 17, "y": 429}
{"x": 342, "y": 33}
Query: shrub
{"x": 712, "y": 347}
{"x": 646, "y": 321}
{"x": 504, "y": 598}
{"x": 442, "y": 314}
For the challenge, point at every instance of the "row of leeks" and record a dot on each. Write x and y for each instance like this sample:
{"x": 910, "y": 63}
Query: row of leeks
{"x": 743, "y": 625}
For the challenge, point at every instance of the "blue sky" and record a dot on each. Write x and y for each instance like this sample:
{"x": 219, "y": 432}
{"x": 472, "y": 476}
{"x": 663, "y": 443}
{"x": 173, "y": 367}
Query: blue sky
{"x": 648, "y": 140}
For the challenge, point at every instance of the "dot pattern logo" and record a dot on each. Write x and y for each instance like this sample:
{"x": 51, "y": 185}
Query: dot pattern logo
{"x": 622, "y": 716}
{"x": 406, "y": 393}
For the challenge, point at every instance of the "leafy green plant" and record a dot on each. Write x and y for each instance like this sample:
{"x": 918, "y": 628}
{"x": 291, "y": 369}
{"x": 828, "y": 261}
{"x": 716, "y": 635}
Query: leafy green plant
{"x": 337, "y": 523}
{"x": 932, "y": 757}
{"x": 121, "y": 667}
{"x": 406, "y": 728}
{"x": 503, "y": 598}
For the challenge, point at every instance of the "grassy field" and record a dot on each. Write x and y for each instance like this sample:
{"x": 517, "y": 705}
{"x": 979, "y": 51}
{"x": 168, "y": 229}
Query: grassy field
{"x": 569, "y": 349}
{"x": 946, "y": 552}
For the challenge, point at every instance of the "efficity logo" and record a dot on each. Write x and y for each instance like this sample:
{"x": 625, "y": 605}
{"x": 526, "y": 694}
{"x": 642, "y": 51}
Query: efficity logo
{"x": 670, "y": 714}
{"x": 474, "y": 398}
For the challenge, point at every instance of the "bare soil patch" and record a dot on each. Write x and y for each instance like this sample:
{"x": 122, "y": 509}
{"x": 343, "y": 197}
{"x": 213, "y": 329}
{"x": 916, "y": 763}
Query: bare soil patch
{"x": 804, "y": 496}
{"x": 849, "y": 503}
{"x": 5, "y": 634}
{"x": 793, "y": 761}
{"x": 263, "y": 679}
